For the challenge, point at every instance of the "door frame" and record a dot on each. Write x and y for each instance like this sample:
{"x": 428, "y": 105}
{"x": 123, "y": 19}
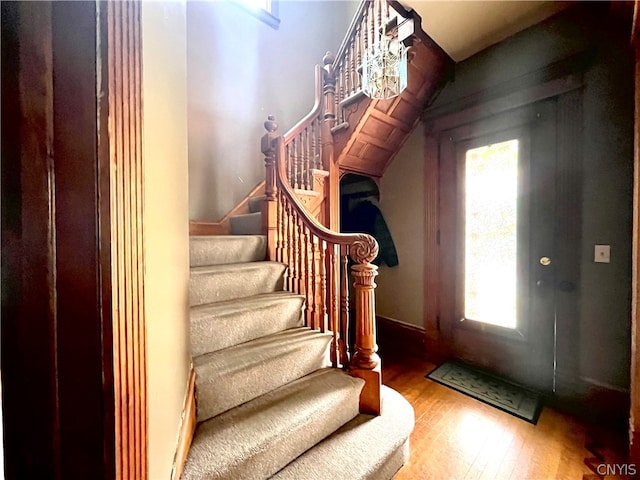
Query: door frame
{"x": 476, "y": 108}
{"x": 73, "y": 324}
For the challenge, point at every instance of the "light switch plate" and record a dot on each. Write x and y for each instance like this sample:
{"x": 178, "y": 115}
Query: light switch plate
{"x": 602, "y": 254}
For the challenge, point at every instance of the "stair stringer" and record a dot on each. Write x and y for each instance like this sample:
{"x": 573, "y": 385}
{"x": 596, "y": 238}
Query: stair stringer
{"x": 373, "y": 131}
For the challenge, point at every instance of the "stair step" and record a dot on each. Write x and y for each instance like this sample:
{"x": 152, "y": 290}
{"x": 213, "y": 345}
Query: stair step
{"x": 219, "y": 283}
{"x": 255, "y": 203}
{"x": 258, "y": 438}
{"x": 225, "y": 324}
{"x": 225, "y": 249}
{"x": 385, "y": 439}
{"x": 230, "y": 377}
{"x": 248, "y": 224}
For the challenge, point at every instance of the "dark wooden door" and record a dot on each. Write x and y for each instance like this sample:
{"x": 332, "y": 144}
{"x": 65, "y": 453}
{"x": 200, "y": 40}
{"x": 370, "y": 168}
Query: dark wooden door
{"x": 497, "y": 215}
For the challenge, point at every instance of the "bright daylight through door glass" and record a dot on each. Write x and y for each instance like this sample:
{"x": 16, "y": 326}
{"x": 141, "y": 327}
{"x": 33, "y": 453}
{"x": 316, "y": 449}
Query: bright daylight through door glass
{"x": 491, "y": 189}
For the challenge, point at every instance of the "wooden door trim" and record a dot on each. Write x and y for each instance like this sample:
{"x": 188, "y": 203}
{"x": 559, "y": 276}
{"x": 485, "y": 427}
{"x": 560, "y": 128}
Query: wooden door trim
{"x": 122, "y": 185}
{"x": 634, "y": 418}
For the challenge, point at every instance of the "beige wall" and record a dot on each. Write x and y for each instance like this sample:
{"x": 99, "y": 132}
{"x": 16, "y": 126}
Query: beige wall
{"x": 240, "y": 70}
{"x": 400, "y": 289}
{"x": 165, "y": 225}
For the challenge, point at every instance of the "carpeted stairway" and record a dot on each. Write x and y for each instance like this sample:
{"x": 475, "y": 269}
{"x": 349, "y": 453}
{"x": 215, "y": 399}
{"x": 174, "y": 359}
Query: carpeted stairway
{"x": 268, "y": 404}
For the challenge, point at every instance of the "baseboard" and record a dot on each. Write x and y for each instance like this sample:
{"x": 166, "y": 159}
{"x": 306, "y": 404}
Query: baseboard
{"x": 593, "y": 402}
{"x": 187, "y": 427}
{"x": 395, "y": 336}
{"x": 223, "y": 227}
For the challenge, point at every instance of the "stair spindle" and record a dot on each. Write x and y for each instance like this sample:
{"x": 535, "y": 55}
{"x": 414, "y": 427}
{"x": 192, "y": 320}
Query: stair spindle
{"x": 323, "y": 284}
{"x": 315, "y": 280}
{"x": 333, "y": 320}
{"x": 308, "y": 277}
{"x": 344, "y": 304}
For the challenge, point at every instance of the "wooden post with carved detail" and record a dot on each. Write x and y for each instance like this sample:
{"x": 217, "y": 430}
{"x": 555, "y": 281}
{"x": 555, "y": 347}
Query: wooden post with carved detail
{"x": 269, "y": 208}
{"x": 365, "y": 363}
{"x": 332, "y": 205}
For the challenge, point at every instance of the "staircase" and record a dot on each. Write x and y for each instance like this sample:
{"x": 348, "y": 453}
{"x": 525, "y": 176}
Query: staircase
{"x": 269, "y": 405}
{"x": 279, "y": 394}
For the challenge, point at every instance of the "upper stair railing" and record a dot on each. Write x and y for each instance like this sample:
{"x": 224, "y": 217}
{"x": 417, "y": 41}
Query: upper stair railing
{"x": 365, "y": 27}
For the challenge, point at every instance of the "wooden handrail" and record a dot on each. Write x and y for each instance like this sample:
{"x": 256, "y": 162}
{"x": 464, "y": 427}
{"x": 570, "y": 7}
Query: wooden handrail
{"x": 317, "y": 261}
{"x": 313, "y": 114}
{"x": 363, "y": 247}
{"x": 351, "y": 31}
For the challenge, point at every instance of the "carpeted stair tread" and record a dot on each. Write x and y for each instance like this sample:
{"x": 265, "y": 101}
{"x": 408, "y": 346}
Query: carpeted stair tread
{"x": 255, "y": 203}
{"x": 258, "y": 438}
{"x": 247, "y": 224}
{"x": 224, "y": 249}
{"x": 219, "y": 283}
{"x": 220, "y": 325}
{"x": 340, "y": 456}
{"x": 230, "y": 377}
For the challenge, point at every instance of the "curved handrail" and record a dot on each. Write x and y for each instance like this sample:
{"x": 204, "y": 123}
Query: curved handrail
{"x": 363, "y": 248}
{"x": 313, "y": 114}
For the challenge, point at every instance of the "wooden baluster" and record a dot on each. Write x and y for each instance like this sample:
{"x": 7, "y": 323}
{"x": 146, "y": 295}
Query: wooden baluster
{"x": 365, "y": 31}
{"x": 352, "y": 57}
{"x": 335, "y": 300}
{"x": 387, "y": 11}
{"x": 323, "y": 285}
{"x": 344, "y": 305}
{"x": 287, "y": 244}
{"x": 365, "y": 363}
{"x": 358, "y": 63}
{"x": 294, "y": 162}
{"x": 302, "y": 266}
{"x": 379, "y": 13}
{"x": 296, "y": 251}
{"x": 279, "y": 227}
{"x": 372, "y": 32}
{"x": 269, "y": 220}
{"x": 288, "y": 165}
{"x": 315, "y": 280}
{"x": 308, "y": 157}
{"x": 292, "y": 253}
{"x": 333, "y": 321}
{"x": 346, "y": 74}
{"x": 308, "y": 278}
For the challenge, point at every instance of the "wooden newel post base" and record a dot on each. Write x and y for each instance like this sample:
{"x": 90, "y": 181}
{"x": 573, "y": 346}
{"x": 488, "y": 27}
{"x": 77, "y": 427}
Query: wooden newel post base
{"x": 365, "y": 363}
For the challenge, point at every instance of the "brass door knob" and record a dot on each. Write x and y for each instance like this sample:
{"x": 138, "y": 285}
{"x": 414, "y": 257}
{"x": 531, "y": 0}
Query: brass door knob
{"x": 544, "y": 261}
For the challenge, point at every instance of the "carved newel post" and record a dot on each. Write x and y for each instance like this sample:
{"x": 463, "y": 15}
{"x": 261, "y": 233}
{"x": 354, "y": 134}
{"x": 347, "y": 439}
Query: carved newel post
{"x": 269, "y": 208}
{"x": 365, "y": 363}
{"x": 332, "y": 209}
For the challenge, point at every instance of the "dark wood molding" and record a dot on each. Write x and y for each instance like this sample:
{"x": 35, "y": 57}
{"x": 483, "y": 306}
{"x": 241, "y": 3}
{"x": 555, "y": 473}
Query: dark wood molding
{"x": 634, "y": 420}
{"x": 570, "y": 69}
{"x": 29, "y": 356}
{"x": 477, "y": 110}
{"x": 187, "y": 427}
{"x": 399, "y": 337}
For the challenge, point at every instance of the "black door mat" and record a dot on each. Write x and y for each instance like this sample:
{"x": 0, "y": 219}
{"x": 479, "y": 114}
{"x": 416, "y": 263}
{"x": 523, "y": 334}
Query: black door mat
{"x": 498, "y": 393}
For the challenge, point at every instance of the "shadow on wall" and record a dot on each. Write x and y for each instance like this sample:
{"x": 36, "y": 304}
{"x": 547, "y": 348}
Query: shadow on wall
{"x": 360, "y": 213}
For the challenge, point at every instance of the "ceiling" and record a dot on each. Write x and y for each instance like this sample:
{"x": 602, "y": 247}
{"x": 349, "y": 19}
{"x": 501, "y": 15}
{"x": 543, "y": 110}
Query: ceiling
{"x": 463, "y": 28}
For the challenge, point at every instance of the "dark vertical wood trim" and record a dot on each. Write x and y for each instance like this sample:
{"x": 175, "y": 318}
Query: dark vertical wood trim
{"x": 432, "y": 249}
{"x": 634, "y": 419}
{"x": 79, "y": 319}
{"x": 126, "y": 227}
{"x": 568, "y": 235}
{"x": 29, "y": 362}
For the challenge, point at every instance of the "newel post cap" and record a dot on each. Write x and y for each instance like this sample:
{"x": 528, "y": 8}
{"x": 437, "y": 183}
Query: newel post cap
{"x": 267, "y": 139}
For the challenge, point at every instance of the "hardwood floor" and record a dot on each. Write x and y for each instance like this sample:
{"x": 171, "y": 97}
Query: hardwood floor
{"x": 459, "y": 438}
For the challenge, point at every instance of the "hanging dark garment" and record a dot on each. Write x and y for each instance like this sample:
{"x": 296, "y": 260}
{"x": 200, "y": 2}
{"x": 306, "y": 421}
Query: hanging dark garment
{"x": 366, "y": 217}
